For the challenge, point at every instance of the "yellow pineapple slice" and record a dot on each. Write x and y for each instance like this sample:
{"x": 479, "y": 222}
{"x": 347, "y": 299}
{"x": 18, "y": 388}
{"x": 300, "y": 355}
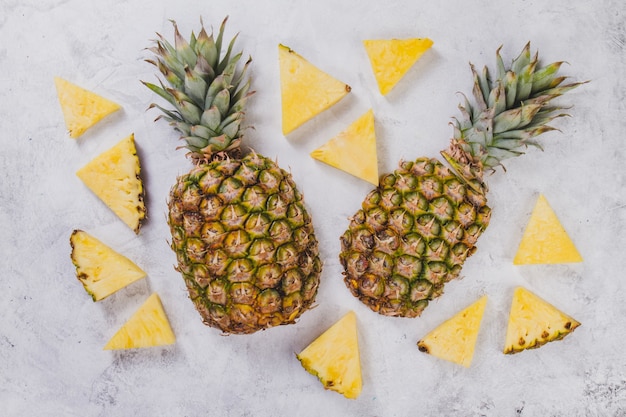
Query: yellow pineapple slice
{"x": 455, "y": 339}
{"x": 148, "y": 327}
{"x": 306, "y": 90}
{"x": 334, "y": 357}
{"x": 545, "y": 241}
{"x": 114, "y": 176}
{"x": 81, "y": 108}
{"x": 534, "y": 322}
{"x": 392, "y": 58}
{"x": 353, "y": 150}
{"x": 100, "y": 269}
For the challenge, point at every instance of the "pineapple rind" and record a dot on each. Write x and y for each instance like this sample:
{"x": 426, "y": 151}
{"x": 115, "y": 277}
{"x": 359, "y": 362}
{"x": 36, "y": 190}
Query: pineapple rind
{"x": 100, "y": 269}
{"x": 147, "y": 327}
{"x": 533, "y": 322}
{"x": 306, "y": 91}
{"x": 353, "y": 150}
{"x": 545, "y": 240}
{"x": 81, "y": 108}
{"x": 334, "y": 358}
{"x": 391, "y": 59}
{"x": 114, "y": 176}
{"x": 455, "y": 339}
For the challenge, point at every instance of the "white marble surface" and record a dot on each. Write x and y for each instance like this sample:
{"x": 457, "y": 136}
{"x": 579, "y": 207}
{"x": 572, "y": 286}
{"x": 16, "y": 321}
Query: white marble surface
{"x": 51, "y": 333}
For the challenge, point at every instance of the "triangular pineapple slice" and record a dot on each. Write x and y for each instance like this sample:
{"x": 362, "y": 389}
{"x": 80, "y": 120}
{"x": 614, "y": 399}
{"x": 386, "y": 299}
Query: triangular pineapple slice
{"x": 392, "y": 58}
{"x": 534, "y": 322}
{"x": 334, "y": 357}
{"x": 101, "y": 270}
{"x": 81, "y": 108}
{"x": 353, "y": 150}
{"x": 545, "y": 241}
{"x": 114, "y": 176}
{"x": 306, "y": 90}
{"x": 455, "y": 339}
{"x": 148, "y": 327}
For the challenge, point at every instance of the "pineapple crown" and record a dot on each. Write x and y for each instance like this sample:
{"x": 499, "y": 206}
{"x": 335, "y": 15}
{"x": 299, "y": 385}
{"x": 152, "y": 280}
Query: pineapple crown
{"x": 207, "y": 90}
{"x": 507, "y": 115}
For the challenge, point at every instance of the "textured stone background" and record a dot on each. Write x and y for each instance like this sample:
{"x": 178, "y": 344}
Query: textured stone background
{"x": 51, "y": 333}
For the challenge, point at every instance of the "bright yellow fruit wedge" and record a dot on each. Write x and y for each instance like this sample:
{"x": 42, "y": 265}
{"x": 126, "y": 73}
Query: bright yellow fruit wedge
{"x": 100, "y": 269}
{"x": 306, "y": 91}
{"x": 148, "y": 327}
{"x": 353, "y": 150}
{"x": 334, "y": 358}
{"x": 455, "y": 339}
{"x": 392, "y": 58}
{"x": 81, "y": 108}
{"x": 114, "y": 176}
{"x": 545, "y": 241}
{"x": 534, "y": 322}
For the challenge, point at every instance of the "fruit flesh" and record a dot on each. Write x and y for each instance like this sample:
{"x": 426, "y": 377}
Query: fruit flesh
{"x": 545, "y": 241}
{"x": 100, "y": 269}
{"x": 306, "y": 91}
{"x": 353, "y": 150}
{"x": 334, "y": 358}
{"x": 81, "y": 108}
{"x": 455, "y": 339}
{"x": 391, "y": 59}
{"x": 114, "y": 176}
{"x": 533, "y": 322}
{"x": 147, "y": 327}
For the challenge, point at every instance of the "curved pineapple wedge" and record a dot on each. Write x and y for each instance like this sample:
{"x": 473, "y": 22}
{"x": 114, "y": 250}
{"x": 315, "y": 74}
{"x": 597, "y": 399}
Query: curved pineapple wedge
{"x": 147, "y": 327}
{"x": 455, "y": 339}
{"x": 100, "y": 269}
{"x": 334, "y": 357}
{"x": 81, "y": 108}
{"x": 306, "y": 91}
{"x": 416, "y": 229}
{"x": 533, "y": 322}
{"x": 391, "y": 59}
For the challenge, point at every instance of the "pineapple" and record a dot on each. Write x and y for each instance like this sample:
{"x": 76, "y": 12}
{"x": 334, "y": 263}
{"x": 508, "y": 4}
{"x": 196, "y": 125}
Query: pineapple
{"x": 416, "y": 229}
{"x": 242, "y": 235}
{"x": 353, "y": 150}
{"x": 392, "y": 58}
{"x": 148, "y": 327}
{"x": 455, "y": 339}
{"x": 100, "y": 269}
{"x": 534, "y": 322}
{"x": 334, "y": 357}
{"x": 114, "y": 176}
{"x": 81, "y": 108}
{"x": 545, "y": 241}
{"x": 306, "y": 90}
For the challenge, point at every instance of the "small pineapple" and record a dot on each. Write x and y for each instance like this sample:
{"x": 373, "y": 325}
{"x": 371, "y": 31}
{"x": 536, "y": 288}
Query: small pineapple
{"x": 334, "y": 357}
{"x": 81, "y": 108}
{"x": 306, "y": 91}
{"x": 391, "y": 59}
{"x": 100, "y": 269}
{"x": 455, "y": 339}
{"x": 534, "y": 322}
{"x": 115, "y": 177}
{"x": 545, "y": 241}
{"x": 353, "y": 150}
{"x": 147, "y": 327}
{"x": 416, "y": 229}
{"x": 242, "y": 235}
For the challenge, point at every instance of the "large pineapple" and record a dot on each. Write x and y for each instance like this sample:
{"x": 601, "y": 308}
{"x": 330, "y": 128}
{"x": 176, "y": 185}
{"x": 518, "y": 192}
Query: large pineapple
{"x": 244, "y": 241}
{"x": 417, "y": 228}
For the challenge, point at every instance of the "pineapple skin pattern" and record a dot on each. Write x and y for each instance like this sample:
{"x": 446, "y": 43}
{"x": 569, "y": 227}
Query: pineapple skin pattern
{"x": 416, "y": 229}
{"x": 243, "y": 239}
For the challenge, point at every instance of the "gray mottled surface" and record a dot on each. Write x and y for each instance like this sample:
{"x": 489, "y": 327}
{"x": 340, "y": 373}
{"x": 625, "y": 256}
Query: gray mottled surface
{"x": 51, "y": 333}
